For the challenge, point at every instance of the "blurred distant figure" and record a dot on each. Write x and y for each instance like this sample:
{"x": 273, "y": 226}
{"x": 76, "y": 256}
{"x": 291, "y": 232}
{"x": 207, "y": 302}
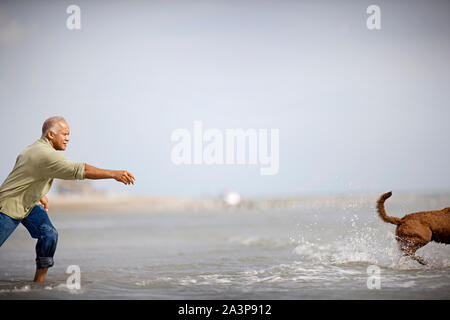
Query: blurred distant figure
{"x": 22, "y": 194}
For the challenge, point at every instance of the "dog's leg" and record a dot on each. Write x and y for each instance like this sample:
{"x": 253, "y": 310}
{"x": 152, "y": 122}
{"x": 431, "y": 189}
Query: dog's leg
{"x": 411, "y": 237}
{"x": 419, "y": 260}
{"x": 409, "y": 248}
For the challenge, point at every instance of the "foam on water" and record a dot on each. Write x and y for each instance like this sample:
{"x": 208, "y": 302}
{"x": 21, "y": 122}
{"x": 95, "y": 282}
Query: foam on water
{"x": 25, "y": 288}
{"x": 266, "y": 242}
{"x": 37, "y": 287}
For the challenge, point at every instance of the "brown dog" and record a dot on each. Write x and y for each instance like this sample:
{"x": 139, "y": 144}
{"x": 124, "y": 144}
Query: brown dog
{"x": 417, "y": 229}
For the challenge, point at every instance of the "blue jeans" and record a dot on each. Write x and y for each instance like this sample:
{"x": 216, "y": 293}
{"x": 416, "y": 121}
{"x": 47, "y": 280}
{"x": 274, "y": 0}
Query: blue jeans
{"x": 39, "y": 226}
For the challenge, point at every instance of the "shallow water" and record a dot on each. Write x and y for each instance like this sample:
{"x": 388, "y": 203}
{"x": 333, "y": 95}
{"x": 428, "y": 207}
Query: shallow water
{"x": 314, "y": 251}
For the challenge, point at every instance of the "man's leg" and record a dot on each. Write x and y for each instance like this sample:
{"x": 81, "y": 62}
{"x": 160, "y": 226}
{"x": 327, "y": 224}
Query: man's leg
{"x": 40, "y": 274}
{"x": 7, "y": 226}
{"x": 40, "y": 227}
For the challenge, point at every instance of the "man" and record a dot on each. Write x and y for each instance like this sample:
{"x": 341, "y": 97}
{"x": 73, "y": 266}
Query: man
{"x": 22, "y": 194}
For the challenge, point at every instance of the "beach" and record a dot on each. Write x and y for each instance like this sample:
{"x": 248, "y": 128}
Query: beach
{"x": 300, "y": 248}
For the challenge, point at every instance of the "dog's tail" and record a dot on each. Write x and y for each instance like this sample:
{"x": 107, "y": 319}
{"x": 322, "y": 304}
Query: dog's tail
{"x": 382, "y": 212}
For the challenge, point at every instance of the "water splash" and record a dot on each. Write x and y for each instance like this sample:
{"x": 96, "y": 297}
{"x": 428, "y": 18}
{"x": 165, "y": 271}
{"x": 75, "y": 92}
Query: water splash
{"x": 358, "y": 241}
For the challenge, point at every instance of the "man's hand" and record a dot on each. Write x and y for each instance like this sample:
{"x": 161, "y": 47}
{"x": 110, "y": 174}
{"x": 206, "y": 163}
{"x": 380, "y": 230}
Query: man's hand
{"x": 124, "y": 176}
{"x": 44, "y": 202}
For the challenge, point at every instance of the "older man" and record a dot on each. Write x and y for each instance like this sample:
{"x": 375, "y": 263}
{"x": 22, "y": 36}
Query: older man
{"x": 22, "y": 194}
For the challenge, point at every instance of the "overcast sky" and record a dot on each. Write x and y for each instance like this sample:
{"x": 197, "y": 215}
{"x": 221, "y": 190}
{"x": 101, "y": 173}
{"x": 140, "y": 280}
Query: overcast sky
{"x": 358, "y": 110}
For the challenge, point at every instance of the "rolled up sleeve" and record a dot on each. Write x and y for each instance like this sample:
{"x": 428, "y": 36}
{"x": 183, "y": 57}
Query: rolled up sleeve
{"x": 59, "y": 167}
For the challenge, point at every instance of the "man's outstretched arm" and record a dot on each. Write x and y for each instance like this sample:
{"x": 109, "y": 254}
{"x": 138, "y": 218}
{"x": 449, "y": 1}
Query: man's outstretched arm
{"x": 91, "y": 172}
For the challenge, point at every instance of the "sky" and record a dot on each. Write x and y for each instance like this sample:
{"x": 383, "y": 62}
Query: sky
{"x": 357, "y": 110}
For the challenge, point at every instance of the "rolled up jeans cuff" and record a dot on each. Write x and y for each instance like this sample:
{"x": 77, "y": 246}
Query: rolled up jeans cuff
{"x": 44, "y": 262}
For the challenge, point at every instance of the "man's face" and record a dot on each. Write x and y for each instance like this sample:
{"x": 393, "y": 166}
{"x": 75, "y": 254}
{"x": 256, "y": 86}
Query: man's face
{"x": 59, "y": 139}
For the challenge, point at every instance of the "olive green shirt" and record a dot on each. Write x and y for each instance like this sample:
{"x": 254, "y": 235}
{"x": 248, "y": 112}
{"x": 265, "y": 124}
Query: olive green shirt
{"x": 32, "y": 177}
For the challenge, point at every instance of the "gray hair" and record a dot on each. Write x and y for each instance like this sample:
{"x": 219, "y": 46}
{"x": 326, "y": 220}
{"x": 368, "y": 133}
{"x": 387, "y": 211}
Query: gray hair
{"x": 51, "y": 125}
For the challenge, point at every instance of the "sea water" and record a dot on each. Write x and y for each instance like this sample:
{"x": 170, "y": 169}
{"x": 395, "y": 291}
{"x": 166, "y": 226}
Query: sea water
{"x": 316, "y": 250}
